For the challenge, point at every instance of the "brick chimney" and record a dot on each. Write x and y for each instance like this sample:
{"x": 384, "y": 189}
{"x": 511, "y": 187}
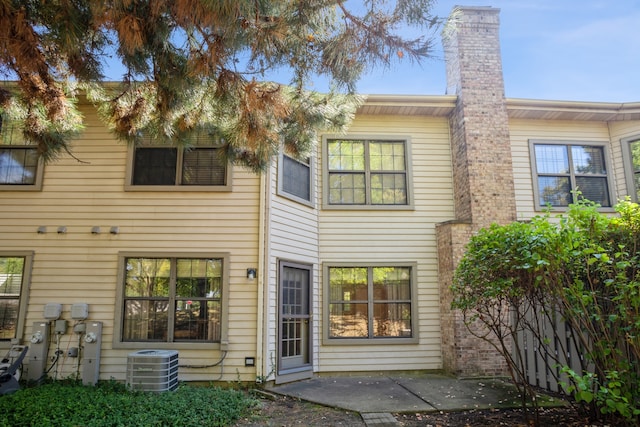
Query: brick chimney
{"x": 482, "y": 170}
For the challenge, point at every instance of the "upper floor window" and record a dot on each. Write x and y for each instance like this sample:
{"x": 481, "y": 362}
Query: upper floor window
{"x": 370, "y": 302}
{"x": 565, "y": 171}
{"x": 366, "y": 172}
{"x": 631, "y": 154}
{"x": 295, "y": 178}
{"x": 172, "y": 299}
{"x": 15, "y": 269}
{"x": 164, "y": 167}
{"x": 20, "y": 164}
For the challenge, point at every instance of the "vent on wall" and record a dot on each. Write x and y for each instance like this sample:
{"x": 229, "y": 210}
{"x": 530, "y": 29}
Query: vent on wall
{"x": 152, "y": 370}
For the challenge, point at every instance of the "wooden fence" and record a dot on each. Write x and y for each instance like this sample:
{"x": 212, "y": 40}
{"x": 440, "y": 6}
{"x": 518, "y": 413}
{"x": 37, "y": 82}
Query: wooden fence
{"x": 543, "y": 345}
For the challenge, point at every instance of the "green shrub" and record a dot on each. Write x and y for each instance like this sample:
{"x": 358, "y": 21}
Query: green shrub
{"x": 112, "y": 404}
{"x": 583, "y": 267}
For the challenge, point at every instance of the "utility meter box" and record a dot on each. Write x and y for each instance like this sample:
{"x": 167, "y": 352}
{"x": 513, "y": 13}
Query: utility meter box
{"x": 79, "y": 311}
{"x": 52, "y": 311}
{"x": 91, "y": 353}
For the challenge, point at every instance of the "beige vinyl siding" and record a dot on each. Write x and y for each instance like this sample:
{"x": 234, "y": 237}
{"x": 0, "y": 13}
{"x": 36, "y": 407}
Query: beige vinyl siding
{"x": 82, "y": 267}
{"x": 293, "y": 236}
{"x": 400, "y": 236}
{"x": 521, "y": 131}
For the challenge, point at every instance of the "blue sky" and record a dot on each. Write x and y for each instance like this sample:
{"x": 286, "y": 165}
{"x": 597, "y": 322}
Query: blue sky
{"x": 577, "y": 50}
{"x": 574, "y": 50}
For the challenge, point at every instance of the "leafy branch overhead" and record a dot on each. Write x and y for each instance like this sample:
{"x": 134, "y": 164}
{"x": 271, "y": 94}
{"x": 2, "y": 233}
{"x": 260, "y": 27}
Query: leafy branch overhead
{"x": 199, "y": 64}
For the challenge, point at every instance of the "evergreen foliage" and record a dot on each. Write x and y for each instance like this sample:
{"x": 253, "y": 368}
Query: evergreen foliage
{"x": 199, "y": 64}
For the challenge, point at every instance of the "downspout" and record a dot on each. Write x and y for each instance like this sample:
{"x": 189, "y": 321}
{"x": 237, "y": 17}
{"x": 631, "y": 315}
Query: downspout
{"x": 263, "y": 271}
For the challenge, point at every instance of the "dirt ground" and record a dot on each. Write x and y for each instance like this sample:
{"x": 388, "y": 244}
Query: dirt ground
{"x": 281, "y": 411}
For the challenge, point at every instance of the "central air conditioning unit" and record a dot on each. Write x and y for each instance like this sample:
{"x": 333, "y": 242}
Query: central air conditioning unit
{"x": 152, "y": 370}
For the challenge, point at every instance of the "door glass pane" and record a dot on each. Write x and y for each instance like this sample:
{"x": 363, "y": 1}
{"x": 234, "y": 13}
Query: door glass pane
{"x": 293, "y": 338}
{"x": 295, "y": 298}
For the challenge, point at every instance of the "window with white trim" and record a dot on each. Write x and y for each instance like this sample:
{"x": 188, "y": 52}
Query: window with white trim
{"x": 366, "y": 172}
{"x": 370, "y": 302}
{"x": 566, "y": 171}
{"x": 172, "y": 299}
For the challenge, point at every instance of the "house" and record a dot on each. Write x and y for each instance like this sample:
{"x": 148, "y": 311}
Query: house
{"x": 338, "y": 263}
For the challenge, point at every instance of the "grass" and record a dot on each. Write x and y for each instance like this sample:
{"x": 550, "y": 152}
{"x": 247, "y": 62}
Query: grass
{"x": 111, "y": 404}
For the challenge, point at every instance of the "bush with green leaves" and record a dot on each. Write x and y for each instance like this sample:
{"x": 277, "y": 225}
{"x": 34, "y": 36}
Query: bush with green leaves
{"x": 65, "y": 403}
{"x": 583, "y": 266}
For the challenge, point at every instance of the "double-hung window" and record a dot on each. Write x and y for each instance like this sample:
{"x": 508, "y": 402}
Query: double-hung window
{"x": 366, "y": 172}
{"x": 20, "y": 164}
{"x": 200, "y": 166}
{"x": 15, "y": 269}
{"x": 295, "y": 178}
{"x": 172, "y": 299}
{"x": 567, "y": 171}
{"x": 370, "y": 302}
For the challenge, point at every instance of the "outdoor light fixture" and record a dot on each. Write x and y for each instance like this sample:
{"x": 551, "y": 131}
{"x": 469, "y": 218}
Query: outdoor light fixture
{"x": 95, "y": 230}
{"x": 251, "y": 273}
{"x": 62, "y": 230}
{"x": 42, "y": 229}
{"x": 114, "y": 230}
